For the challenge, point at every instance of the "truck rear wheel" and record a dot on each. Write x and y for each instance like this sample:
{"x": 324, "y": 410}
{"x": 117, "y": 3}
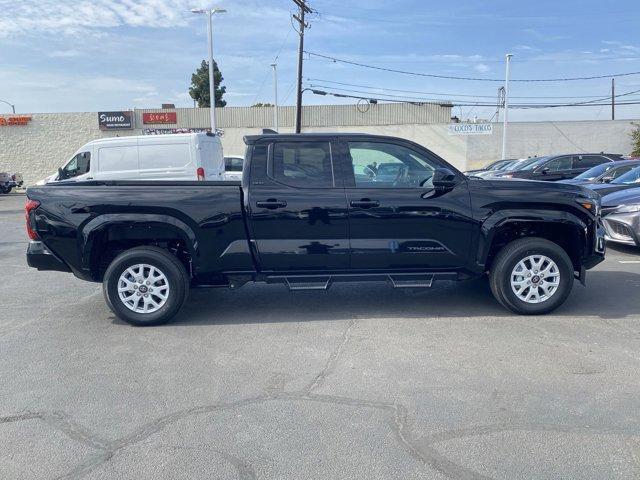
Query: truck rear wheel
{"x": 531, "y": 276}
{"x": 145, "y": 286}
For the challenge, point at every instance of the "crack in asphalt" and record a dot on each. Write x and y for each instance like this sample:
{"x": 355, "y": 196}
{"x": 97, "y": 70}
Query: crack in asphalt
{"x": 332, "y": 361}
{"x": 421, "y": 449}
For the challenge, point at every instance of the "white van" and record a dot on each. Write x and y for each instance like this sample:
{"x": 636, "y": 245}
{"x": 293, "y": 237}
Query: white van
{"x": 188, "y": 156}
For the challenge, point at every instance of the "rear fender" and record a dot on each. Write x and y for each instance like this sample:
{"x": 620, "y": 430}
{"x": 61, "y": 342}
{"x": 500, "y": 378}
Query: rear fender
{"x": 93, "y": 230}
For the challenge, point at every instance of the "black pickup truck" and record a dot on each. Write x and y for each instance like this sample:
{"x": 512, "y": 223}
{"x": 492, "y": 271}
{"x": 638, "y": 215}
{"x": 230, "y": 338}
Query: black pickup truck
{"x": 313, "y": 209}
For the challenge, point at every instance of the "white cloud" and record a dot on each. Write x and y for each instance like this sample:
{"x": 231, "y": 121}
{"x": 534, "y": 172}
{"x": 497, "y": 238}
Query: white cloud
{"x": 69, "y": 17}
{"x": 64, "y": 53}
{"x": 482, "y": 68}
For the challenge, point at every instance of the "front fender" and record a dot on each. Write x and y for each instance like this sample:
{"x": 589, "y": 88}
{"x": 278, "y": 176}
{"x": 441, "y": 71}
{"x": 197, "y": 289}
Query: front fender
{"x": 502, "y": 218}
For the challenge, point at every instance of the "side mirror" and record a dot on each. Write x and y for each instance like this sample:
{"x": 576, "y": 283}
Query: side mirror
{"x": 60, "y": 174}
{"x": 444, "y": 178}
{"x": 607, "y": 179}
{"x": 545, "y": 170}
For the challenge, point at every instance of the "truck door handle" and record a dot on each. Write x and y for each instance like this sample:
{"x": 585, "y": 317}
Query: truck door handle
{"x": 271, "y": 204}
{"x": 364, "y": 203}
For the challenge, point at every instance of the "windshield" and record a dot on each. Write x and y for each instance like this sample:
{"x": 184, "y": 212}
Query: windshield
{"x": 521, "y": 164}
{"x": 632, "y": 176}
{"x": 594, "y": 172}
{"x": 535, "y": 163}
{"x": 506, "y": 166}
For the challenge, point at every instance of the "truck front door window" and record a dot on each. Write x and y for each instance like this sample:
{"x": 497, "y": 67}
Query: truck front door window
{"x": 386, "y": 165}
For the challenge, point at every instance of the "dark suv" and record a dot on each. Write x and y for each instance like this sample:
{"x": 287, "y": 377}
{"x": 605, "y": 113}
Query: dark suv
{"x": 561, "y": 167}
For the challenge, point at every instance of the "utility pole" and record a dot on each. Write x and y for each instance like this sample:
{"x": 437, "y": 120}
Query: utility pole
{"x": 302, "y": 9}
{"x": 275, "y": 96}
{"x": 613, "y": 99}
{"x": 506, "y": 107}
{"x": 212, "y": 87}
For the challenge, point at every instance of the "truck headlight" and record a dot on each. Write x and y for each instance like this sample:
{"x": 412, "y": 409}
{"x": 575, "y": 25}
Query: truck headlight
{"x": 631, "y": 208}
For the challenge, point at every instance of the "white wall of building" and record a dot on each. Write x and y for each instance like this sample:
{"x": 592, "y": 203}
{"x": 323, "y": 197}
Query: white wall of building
{"x": 50, "y": 139}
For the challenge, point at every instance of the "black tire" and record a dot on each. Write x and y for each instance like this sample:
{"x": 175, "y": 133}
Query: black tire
{"x": 176, "y": 277}
{"x": 5, "y": 189}
{"x": 506, "y": 261}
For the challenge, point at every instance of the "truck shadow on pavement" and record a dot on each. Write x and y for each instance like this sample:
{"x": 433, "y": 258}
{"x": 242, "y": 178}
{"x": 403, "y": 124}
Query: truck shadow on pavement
{"x": 608, "y": 295}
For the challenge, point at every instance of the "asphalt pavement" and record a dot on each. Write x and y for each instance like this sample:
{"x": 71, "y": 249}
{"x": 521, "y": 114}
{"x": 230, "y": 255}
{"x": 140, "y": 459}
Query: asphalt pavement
{"x": 358, "y": 382}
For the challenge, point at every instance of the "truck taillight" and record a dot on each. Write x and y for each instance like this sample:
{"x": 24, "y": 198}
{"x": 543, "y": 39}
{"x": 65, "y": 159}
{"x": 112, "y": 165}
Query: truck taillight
{"x": 29, "y": 206}
{"x": 200, "y": 173}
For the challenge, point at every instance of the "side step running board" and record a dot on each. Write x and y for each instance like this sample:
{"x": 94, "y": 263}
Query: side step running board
{"x": 411, "y": 281}
{"x": 323, "y": 282}
{"x": 311, "y": 283}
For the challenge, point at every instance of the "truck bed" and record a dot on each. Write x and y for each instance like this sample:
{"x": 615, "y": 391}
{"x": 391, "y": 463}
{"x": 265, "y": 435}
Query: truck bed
{"x": 205, "y": 217}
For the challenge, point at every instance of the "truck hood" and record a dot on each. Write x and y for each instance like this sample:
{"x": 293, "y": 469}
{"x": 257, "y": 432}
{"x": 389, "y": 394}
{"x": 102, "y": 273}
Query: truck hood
{"x": 521, "y": 188}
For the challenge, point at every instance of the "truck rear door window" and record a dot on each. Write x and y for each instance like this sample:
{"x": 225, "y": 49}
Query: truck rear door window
{"x": 302, "y": 164}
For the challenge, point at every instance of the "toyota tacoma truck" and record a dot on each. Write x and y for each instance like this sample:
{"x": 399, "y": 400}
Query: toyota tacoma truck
{"x": 313, "y": 209}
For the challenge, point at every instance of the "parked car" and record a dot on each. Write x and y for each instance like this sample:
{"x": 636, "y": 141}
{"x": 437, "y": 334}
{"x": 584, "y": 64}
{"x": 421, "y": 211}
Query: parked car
{"x": 621, "y": 216}
{"x": 188, "y": 156}
{"x": 559, "y": 167}
{"x": 492, "y": 166}
{"x": 604, "y": 173}
{"x": 5, "y": 183}
{"x": 510, "y": 167}
{"x": 629, "y": 180}
{"x": 233, "y": 168}
{"x": 306, "y": 214}
{"x": 16, "y": 180}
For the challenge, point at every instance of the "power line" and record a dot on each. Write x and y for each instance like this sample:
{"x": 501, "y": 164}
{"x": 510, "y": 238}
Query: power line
{"x": 456, "y": 101}
{"x": 476, "y": 79}
{"x": 444, "y": 94}
{"x": 473, "y": 104}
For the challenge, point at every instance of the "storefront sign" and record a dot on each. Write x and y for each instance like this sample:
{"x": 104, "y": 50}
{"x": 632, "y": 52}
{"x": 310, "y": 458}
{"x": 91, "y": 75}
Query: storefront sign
{"x": 167, "y": 131}
{"x": 14, "y": 120}
{"x": 159, "y": 117}
{"x": 115, "y": 120}
{"x": 470, "y": 129}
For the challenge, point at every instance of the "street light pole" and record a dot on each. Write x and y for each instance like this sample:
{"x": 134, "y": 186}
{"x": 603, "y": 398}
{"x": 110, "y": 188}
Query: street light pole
{"x": 13, "y": 107}
{"x": 275, "y": 96}
{"x": 212, "y": 86}
{"x": 506, "y": 107}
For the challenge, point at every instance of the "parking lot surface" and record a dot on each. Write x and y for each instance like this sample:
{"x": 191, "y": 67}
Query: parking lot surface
{"x": 359, "y": 382}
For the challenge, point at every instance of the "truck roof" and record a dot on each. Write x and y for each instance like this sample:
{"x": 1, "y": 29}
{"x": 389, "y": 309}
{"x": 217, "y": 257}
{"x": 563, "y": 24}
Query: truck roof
{"x": 250, "y": 139}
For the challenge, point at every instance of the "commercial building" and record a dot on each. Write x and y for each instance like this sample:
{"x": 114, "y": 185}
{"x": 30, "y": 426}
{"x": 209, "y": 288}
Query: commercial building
{"x": 37, "y": 144}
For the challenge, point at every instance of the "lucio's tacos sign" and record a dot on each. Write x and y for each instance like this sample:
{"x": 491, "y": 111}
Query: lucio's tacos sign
{"x": 115, "y": 120}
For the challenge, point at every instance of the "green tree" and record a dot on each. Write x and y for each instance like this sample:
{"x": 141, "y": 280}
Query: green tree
{"x": 635, "y": 136}
{"x": 199, "y": 89}
{"x": 260, "y": 104}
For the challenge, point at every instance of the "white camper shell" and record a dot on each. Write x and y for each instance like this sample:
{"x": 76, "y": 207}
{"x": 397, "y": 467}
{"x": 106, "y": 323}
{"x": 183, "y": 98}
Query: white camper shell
{"x": 188, "y": 156}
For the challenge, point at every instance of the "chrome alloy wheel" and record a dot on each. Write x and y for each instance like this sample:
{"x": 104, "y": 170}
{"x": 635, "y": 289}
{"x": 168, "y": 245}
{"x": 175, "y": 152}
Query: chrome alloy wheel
{"x": 535, "y": 279}
{"x": 143, "y": 288}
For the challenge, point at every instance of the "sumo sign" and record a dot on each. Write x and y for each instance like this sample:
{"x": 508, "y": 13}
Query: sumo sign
{"x": 470, "y": 129}
{"x": 115, "y": 120}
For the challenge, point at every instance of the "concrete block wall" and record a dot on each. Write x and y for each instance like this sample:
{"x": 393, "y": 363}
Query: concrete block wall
{"x": 39, "y": 148}
{"x": 49, "y": 140}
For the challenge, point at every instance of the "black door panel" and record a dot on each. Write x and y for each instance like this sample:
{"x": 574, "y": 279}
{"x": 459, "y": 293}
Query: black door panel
{"x": 298, "y": 216}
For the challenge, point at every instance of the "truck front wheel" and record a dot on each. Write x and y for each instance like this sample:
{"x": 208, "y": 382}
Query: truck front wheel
{"x": 145, "y": 286}
{"x": 531, "y": 276}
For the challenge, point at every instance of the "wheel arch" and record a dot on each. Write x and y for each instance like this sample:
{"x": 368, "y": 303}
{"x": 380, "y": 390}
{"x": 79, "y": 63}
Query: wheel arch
{"x": 98, "y": 235}
{"x": 563, "y": 228}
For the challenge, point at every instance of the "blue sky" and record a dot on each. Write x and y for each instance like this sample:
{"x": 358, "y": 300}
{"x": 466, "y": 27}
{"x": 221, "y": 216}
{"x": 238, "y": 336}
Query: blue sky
{"x": 70, "y": 55}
